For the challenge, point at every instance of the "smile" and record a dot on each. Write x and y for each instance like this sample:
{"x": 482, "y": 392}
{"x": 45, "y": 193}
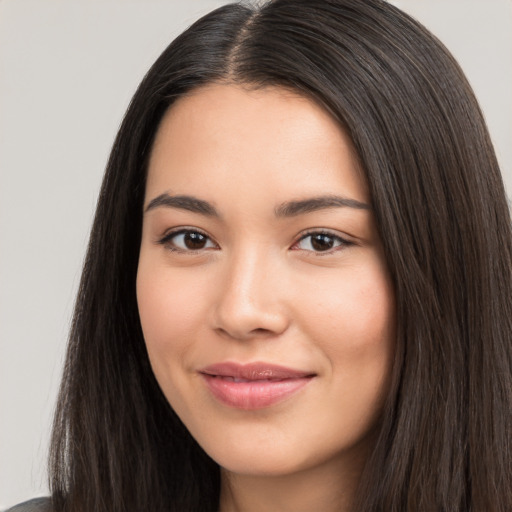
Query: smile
{"x": 253, "y": 386}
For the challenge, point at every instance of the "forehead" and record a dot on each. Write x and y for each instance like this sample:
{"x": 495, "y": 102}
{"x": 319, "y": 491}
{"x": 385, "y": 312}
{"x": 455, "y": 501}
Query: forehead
{"x": 268, "y": 138}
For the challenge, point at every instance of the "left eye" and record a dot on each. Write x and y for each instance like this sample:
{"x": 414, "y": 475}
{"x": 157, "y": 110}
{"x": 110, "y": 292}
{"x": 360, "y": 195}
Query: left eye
{"x": 320, "y": 242}
{"x": 188, "y": 240}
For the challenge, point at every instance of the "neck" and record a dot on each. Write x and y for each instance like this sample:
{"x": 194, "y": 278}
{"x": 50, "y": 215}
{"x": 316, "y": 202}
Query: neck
{"x": 330, "y": 487}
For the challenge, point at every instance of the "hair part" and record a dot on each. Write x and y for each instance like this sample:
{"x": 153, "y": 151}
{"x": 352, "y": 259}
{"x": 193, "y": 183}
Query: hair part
{"x": 445, "y": 435}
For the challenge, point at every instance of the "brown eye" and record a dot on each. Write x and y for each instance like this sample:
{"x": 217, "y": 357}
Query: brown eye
{"x": 194, "y": 241}
{"x": 321, "y": 242}
{"x": 187, "y": 240}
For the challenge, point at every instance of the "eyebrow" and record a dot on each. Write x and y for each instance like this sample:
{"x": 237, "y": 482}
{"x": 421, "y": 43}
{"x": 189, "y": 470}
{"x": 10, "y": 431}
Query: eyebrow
{"x": 293, "y": 208}
{"x": 183, "y": 202}
{"x": 287, "y": 209}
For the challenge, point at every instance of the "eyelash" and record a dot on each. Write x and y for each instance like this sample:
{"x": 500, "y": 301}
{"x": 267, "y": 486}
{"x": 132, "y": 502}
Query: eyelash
{"x": 342, "y": 242}
{"x": 167, "y": 241}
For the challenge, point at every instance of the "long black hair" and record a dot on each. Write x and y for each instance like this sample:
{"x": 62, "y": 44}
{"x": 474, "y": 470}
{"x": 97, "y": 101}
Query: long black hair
{"x": 441, "y": 210}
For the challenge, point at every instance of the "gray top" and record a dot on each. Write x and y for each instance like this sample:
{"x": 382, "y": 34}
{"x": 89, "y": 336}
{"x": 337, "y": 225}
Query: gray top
{"x": 35, "y": 505}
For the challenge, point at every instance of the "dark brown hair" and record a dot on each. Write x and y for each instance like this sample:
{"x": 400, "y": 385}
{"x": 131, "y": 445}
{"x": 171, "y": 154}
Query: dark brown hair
{"x": 445, "y": 437}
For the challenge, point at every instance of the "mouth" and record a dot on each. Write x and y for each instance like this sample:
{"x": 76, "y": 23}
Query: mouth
{"x": 255, "y": 385}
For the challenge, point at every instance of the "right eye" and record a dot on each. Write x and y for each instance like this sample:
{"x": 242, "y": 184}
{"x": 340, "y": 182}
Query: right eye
{"x": 187, "y": 240}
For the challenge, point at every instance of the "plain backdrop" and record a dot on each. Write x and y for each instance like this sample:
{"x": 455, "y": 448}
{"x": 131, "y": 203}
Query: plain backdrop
{"x": 67, "y": 71}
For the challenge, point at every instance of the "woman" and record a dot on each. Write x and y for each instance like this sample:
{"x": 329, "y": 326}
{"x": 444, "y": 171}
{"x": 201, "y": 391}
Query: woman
{"x": 297, "y": 290}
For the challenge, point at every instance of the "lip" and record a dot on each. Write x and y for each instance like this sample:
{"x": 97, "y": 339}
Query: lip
{"x": 254, "y": 385}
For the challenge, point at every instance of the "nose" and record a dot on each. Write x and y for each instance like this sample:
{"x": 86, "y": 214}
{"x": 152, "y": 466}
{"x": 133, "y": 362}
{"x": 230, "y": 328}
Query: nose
{"x": 250, "y": 301}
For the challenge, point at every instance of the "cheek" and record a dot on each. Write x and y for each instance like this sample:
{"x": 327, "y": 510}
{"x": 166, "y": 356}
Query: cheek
{"x": 170, "y": 309}
{"x": 352, "y": 310}
{"x": 352, "y": 321}
{"x": 354, "y": 327}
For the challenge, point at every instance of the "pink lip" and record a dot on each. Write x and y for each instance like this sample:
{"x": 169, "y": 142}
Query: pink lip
{"x": 254, "y": 385}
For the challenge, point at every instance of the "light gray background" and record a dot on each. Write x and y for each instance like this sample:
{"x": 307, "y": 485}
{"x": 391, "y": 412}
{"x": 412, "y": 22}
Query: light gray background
{"x": 67, "y": 71}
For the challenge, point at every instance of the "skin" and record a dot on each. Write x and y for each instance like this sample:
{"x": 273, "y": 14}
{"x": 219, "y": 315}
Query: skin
{"x": 259, "y": 290}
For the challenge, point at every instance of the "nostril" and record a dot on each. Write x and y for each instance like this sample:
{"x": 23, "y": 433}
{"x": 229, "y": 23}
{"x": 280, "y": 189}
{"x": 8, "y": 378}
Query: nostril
{"x": 261, "y": 331}
{"x": 257, "y": 333}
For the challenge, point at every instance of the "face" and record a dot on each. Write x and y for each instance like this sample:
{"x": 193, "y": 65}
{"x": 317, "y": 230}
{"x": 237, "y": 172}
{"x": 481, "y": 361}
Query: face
{"x": 263, "y": 293}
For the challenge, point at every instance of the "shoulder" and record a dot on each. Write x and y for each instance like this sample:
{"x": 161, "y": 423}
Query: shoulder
{"x": 35, "y": 505}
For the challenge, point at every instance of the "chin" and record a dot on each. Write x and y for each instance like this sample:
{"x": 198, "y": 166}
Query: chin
{"x": 263, "y": 464}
